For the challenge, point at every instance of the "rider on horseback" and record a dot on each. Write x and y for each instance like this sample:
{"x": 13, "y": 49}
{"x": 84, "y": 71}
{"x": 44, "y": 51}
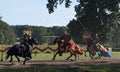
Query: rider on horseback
{"x": 66, "y": 38}
{"x": 25, "y": 43}
{"x": 93, "y": 40}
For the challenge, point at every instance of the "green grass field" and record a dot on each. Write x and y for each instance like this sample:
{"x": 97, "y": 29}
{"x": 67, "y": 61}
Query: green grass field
{"x": 66, "y": 69}
{"x": 65, "y": 55}
{"x": 48, "y": 56}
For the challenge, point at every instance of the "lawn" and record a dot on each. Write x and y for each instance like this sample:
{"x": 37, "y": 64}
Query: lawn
{"x": 49, "y": 56}
{"x": 65, "y": 55}
{"x": 66, "y": 69}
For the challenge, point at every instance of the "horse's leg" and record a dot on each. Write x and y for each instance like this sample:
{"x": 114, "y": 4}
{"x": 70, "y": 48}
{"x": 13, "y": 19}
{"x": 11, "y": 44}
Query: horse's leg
{"x": 69, "y": 57}
{"x": 90, "y": 55}
{"x": 11, "y": 59}
{"x": 24, "y": 62}
{"x": 98, "y": 57}
{"x": 26, "y": 59}
{"x": 75, "y": 57}
{"x": 17, "y": 58}
{"x": 7, "y": 56}
{"x": 55, "y": 55}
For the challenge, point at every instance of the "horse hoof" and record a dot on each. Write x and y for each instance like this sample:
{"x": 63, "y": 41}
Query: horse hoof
{"x": 72, "y": 60}
{"x": 10, "y": 61}
{"x": 85, "y": 55}
{"x": 23, "y": 63}
{"x": 66, "y": 59}
{"x": 53, "y": 59}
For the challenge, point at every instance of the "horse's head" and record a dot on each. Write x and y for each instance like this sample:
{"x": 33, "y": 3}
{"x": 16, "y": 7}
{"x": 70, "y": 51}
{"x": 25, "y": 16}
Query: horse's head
{"x": 33, "y": 41}
{"x": 57, "y": 40}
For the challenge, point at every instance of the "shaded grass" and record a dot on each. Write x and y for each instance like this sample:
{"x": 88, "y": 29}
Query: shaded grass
{"x": 67, "y": 69}
{"x": 103, "y": 68}
{"x": 42, "y": 70}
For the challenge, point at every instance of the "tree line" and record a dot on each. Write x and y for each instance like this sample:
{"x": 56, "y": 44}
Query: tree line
{"x": 44, "y": 35}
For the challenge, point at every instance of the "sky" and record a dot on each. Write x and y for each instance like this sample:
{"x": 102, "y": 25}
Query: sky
{"x": 34, "y": 13}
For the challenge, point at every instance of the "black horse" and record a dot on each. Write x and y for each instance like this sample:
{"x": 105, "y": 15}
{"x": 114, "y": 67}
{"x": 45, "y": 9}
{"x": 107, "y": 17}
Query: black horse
{"x": 21, "y": 51}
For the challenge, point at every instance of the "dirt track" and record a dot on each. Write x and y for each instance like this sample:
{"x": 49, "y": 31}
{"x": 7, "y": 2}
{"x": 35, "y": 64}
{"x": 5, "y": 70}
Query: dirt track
{"x": 59, "y": 63}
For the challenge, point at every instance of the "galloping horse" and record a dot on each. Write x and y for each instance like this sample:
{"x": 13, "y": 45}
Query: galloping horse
{"x": 91, "y": 48}
{"x": 72, "y": 48}
{"x": 92, "y": 51}
{"x": 17, "y": 51}
{"x": 102, "y": 51}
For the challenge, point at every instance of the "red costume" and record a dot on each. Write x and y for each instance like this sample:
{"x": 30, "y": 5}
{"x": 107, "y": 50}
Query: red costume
{"x": 66, "y": 38}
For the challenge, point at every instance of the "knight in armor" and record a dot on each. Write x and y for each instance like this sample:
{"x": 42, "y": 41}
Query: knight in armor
{"x": 93, "y": 40}
{"x": 26, "y": 44}
{"x": 66, "y": 38}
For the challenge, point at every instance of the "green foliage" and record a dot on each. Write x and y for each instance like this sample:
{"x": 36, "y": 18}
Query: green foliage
{"x": 52, "y": 4}
{"x": 97, "y": 16}
{"x": 38, "y": 33}
{"x": 7, "y": 35}
{"x": 57, "y": 30}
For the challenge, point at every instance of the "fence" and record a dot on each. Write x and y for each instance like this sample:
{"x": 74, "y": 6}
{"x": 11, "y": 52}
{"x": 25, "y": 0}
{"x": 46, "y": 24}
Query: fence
{"x": 36, "y": 49}
{"x": 40, "y": 49}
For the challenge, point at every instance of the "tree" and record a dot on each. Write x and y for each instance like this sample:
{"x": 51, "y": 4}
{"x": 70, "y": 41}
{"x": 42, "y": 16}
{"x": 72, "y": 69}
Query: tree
{"x": 7, "y": 35}
{"x": 115, "y": 29}
{"x": 52, "y": 4}
{"x": 91, "y": 15}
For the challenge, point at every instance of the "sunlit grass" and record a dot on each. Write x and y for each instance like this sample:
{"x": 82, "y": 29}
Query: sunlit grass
{"x": 48, "y": 56}
{"x": 65, "y": 55}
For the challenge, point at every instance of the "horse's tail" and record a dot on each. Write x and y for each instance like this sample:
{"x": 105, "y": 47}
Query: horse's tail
{"x": 9, "y": 50}
{"x": 8, "y": 53}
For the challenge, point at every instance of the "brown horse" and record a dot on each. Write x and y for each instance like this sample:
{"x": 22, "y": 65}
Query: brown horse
{"x": 92, "y": 49}
{"x": 72, "y": 48}
{"x": 98, "y": 48}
